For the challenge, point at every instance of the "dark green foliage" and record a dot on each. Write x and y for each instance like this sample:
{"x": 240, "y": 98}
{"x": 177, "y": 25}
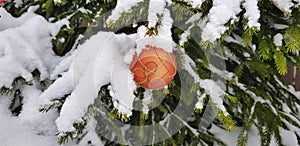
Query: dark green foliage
{"x": 258, "y": 76}
{"x": 255, "y": 96}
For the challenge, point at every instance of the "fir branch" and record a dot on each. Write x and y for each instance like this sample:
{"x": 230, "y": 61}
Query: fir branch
{"x": 65, "y": 136}
{"x": 280, "y": 62}
{"x": 289, "y": 119}
{"x": 292, "y": 39}
{"x": 243, "y": 138}
{"x": 264, "y": 50}
{"x": 225, "y": 119}
{"x": 206, "y": 6}
{"x": 248, "y": 35}
{"x": 180, "y": 12}
{"x": 186, "y": 5}
{"x": 138, "y": 13}
{"x": 198, "y": 133}
{"x": 277, "y": 136}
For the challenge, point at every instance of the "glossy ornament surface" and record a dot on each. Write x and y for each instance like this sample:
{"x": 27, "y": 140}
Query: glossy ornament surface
{"x": 154, "y": 68}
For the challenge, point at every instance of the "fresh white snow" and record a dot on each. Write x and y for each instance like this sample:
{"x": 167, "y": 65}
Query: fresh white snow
{"x": 156, "y": 9}
{"x": 17, "y": 39}
{"x": 219, "y": 15}
{"x": 252, "y": 13}
{"x": 163, "y": 39}
{"x": 285, "y": 5}
{"x": 35, "y": 43}
{"x": 105, "y": 59}
{"x": 278, "y": 39}
{"x": 93, "y": 69}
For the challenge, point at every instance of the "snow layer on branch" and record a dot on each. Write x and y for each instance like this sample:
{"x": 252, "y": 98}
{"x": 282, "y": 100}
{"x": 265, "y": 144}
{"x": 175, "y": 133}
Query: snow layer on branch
{"x": 99, "y": 61}
{"x": 218, "y": 16}
{"x": 278, "y": 39}
{"x": 57, "y": 1}
{"x": 156, "y": 9}
{"x": 199, "y": 104}
{"x": 8, "y": 21}
{"x": 279, "y": 26}
{"x": 146, "y": 101}
{"x": 252, "y": 13}
{"x": 121, "y": 7}
{"x": 91, "y": 135}
{"x": 122, "y": 87}
{"x": 235, "y": 39}
{"x": 211, "y": 87}
{"x": 187, "y": 33}
{"x": 196, "y": 3}
{"x": 31, "y": 127}
{"x": 63, "y": 66}
{"x": 230, "y": 138}
{"x": 162, "y": 40}
{"x": 26, "y": 46}
{"x": 285, "y": 5}
{"x": 58, "y": 89}
{"x": 35, "y": 43}
{"x": 19, "y": 3}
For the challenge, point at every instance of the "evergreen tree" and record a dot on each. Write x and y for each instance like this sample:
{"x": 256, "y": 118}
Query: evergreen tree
{"x": 231, "y": 60}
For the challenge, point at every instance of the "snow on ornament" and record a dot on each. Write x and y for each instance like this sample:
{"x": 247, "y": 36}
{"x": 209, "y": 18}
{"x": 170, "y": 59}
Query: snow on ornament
{"x": 154, "y": 68}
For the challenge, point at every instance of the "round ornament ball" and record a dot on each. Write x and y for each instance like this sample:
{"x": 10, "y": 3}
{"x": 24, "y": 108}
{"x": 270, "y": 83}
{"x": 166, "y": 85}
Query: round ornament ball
{"x": 154, "y": 68}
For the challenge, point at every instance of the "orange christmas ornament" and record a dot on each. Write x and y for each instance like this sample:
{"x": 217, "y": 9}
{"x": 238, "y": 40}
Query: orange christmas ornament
{"x": 153, "y": 68}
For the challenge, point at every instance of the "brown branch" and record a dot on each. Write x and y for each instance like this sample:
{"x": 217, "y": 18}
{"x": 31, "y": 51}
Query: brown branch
{"x": 280, "y": 8}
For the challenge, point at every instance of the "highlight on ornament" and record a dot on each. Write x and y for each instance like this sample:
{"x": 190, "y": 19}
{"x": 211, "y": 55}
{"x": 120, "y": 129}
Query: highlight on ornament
{"x": 154, "y": 68}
